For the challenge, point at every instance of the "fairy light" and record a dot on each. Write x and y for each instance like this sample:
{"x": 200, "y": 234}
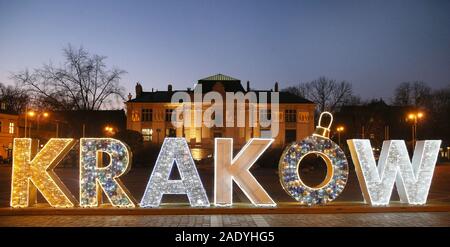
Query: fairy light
{"x": 229, "y": 169}
{"x": 337, "y": 167}
{"x": 94, "y": 177}
{"x": 175, "y": 150}
{"x": 39, "y": 171}
{"x": 412, "y": 178}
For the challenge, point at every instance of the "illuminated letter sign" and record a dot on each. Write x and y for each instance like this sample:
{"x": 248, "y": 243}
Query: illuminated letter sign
{"x": 394, "y": 166}
{"x": 94, "y": 176}
{"x": 228, "y": 169}
{"x": 337, "y": 168}
{"x": 32, "y": 171}
{"x": 174, "y": 150}
{"x": 29, "y": 175}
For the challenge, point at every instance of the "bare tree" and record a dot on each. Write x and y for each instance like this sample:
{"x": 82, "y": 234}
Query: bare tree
{"x": 328, "y": 94}
{"x": 412, "y": 93}
{"x": 13, "y": 98}
{"x": 83, "y": 82}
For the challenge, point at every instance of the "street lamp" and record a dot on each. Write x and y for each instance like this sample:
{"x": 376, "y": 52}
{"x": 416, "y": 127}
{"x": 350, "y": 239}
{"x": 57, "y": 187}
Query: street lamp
{"x": 32, "y": 114}
{"x": 109, "y": 130}
{"x": 339, "y": 129}
{"x": 414, "y": 117}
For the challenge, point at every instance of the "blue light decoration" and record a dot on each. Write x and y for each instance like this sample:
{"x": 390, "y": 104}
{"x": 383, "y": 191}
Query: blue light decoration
{"x": 94, "y": 176}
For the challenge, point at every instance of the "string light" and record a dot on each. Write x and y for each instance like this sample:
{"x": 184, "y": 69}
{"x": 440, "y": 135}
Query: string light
{"x": 412, "y": 179}
{"x": 175, "y": 150}
{"x": 94, "y": 177}
{"x": 228, "y": 169}
{"x": 39, "y": 171}
{"x": 337, "y": 167}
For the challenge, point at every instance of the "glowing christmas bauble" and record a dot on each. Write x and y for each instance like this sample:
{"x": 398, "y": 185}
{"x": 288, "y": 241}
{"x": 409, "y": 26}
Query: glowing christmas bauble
{"x": 334, "y": 157}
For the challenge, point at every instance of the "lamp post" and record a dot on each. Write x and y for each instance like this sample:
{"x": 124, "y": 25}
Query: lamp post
{"x": 414, "y": 117}
{"x": 339, "y": 129}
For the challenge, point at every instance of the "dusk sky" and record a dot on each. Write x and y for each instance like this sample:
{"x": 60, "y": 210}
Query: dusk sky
{"x": 374, "y": 45}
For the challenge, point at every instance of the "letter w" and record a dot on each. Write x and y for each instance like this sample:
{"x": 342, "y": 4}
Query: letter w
{"x": 412, "y": 180}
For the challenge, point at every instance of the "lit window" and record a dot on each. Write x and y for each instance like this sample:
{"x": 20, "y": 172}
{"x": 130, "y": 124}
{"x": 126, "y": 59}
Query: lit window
{"x": 147, "y": 134}
{"x": 303, "y": 117}
{"x": 266, "y": 114}
{"x": 11, "y": 128}
{"x": 266, "y": 133}
{"x": 135, "y": 116}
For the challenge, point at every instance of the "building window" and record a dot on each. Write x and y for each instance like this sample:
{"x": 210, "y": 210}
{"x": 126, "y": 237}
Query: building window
{"x": 147, "y": 134}
{"x": 267, "y": 114}
{"x": 135, "y": 116}
{"x": 303, "y": 117}
{"x": 11, "y": 128}
{"x": 169, "y": 115}
{"x": 171, "y": 132}
{"x": 3, "y": 106}
{"x": 290, "y": 136}
{"x": 290, "y": 116}
{"x": 146, "y": 115}
{"x": 266, "y": 133}
{"x": 217, "y": 134}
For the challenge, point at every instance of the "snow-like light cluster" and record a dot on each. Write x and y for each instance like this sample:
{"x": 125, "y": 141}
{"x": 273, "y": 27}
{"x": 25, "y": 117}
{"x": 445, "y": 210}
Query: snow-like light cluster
{"x": 412, "y": 179}
{"x": 175, "y": 151}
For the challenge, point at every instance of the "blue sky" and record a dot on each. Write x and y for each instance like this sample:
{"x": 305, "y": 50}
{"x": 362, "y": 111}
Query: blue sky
{"x": 373, "y": 44}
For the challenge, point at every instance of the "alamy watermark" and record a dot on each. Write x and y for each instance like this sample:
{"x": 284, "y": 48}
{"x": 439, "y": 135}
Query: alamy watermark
{"x": 211, "y": 110}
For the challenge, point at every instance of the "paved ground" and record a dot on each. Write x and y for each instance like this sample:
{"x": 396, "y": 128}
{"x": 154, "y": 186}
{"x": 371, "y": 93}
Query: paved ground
{"x": 135, "y": 181}
{"x": 372, "y": 219}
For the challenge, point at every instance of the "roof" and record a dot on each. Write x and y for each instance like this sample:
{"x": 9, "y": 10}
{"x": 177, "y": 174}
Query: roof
{"x": 229, "y": 84}
{"x": 219, "y": 77}
{"x": 154, "y": 97}
{"x": 8, "y": 112}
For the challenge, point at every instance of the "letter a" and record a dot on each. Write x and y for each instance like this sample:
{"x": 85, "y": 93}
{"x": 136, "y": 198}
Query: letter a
{"x": 174, "y": 151}
{"x": 228, "y": 169}
{"x": 394, "y": 166}
{"x": 29, "y": 175}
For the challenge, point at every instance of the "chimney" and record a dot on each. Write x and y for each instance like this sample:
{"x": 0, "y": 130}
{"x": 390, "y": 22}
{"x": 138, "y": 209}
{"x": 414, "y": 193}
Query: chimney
{"x": 169, "y": 87}
{"x": 276, "y": 87}
{"x": 248, "y": 86}
{"x": 138, "y": 89}
{"x": 129, "y": 96}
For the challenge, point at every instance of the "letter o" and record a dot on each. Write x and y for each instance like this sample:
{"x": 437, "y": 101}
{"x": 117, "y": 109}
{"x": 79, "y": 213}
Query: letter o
{"x": 337, "y": 170}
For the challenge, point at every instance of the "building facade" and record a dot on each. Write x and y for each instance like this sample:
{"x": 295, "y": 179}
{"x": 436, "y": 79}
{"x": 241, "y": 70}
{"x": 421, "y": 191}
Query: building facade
{"x": 150, "y": 114}
{"x": 8, "y": 131}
